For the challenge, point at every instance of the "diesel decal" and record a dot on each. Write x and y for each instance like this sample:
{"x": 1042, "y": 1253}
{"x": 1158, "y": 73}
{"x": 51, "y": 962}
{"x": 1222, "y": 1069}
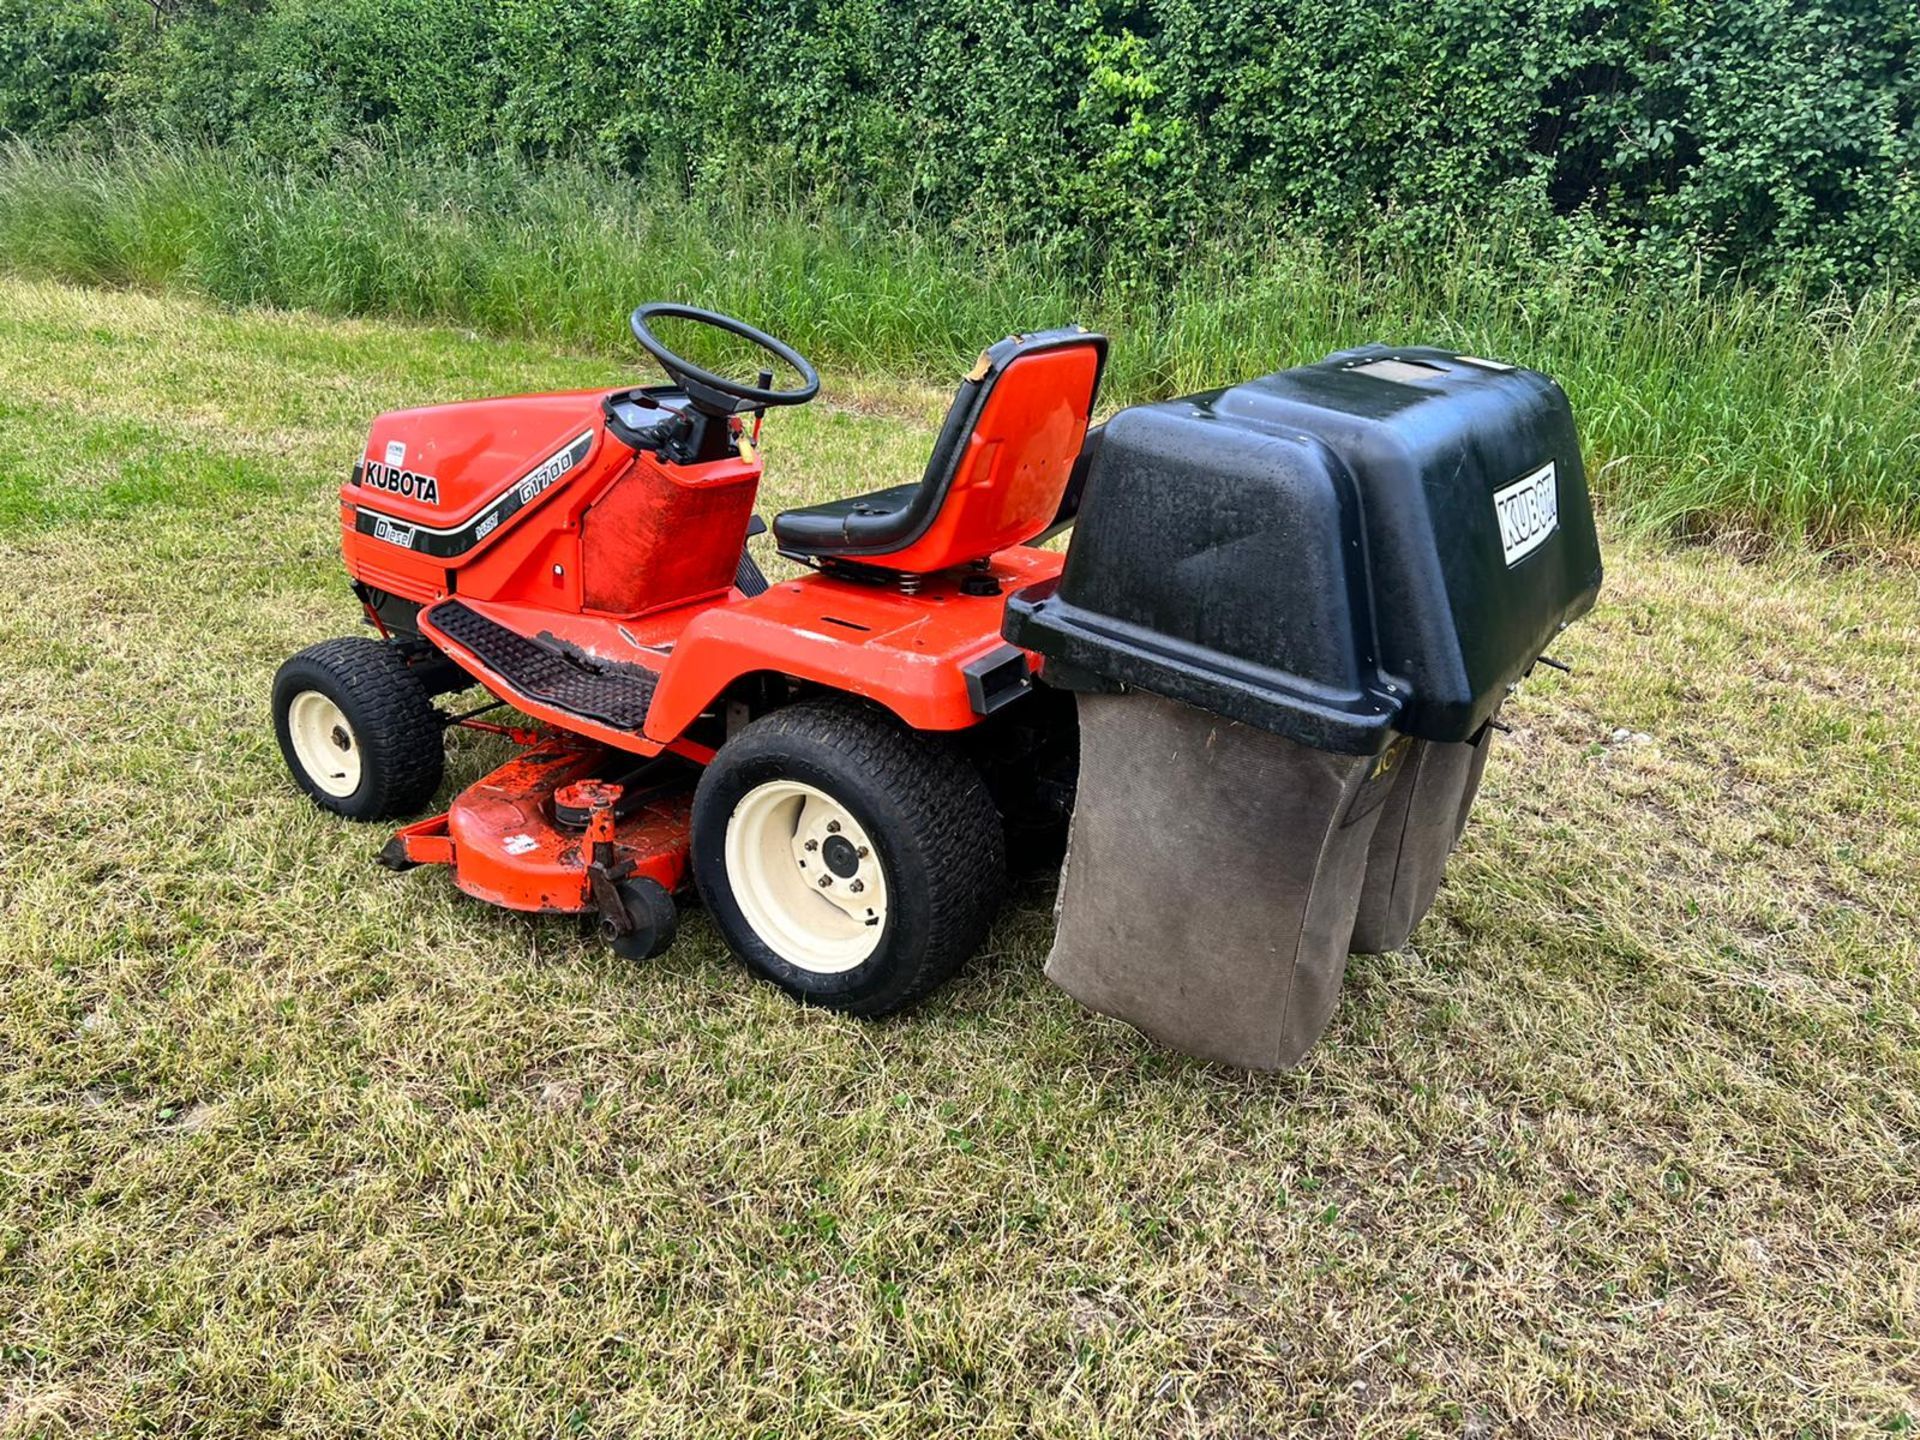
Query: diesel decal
{"x": 409, "y": 483}
{"x": 392, "y": 531}
{"x": 458, "y": 539}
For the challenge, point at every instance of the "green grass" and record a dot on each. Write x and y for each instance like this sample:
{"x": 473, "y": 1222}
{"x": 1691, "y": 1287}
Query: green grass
{"x": 1760, "y": 417}
{"x": 1625, "y": 1143}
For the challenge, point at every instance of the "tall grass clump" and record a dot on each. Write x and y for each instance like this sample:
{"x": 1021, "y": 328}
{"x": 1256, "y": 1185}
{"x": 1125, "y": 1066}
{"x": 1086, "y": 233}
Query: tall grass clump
{"x": 1772, "y": 416}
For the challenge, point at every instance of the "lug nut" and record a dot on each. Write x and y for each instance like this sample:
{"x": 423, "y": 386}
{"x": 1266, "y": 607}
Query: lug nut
{"x": 833, "y": 827}
{"x": 825, "y": 881}
{"x": 861, "y": 852}
{"x": 813, "y": 844}
{"x": 857, "y": 886}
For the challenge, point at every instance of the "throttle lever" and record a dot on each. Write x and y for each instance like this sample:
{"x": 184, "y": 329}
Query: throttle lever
{"x": 760, "y": 411}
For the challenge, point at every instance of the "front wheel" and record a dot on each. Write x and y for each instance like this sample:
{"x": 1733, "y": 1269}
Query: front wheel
{"x": 357, "y": 729}
{"x": 850, "y": 861}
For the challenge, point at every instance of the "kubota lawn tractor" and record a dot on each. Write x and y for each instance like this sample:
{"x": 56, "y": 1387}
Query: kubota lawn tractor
{"x": 1254, "y": 696}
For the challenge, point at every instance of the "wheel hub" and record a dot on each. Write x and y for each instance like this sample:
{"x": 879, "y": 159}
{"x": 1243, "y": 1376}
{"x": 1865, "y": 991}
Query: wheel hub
{"x": 323, "y": 743}
{"x": 840, "y": 856}
{"x": 800, "y": 866}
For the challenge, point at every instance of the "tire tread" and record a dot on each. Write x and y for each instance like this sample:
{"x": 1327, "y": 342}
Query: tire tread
{"x": 402, "y": 740}
{"x": 946, "y": 807}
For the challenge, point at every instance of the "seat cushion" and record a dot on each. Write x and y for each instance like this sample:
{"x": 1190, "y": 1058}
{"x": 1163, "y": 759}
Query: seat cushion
{"x": 861, "y": 522}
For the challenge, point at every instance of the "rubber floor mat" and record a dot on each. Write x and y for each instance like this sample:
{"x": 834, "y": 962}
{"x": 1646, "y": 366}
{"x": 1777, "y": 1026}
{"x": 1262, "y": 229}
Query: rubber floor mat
{"x": 616, "y": 695}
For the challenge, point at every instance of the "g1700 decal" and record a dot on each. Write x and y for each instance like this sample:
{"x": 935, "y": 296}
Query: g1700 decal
{"x": 462, "y": 538}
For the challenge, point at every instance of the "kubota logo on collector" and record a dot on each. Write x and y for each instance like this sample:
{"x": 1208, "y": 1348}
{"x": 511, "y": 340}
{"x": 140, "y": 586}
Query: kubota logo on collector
{"x": 1528, "y": 511}
{"x": 396, "y": 481}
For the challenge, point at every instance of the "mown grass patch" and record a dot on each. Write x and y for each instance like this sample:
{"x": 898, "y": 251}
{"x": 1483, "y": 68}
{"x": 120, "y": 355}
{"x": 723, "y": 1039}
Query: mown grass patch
{"x": 1767, "y": 418}
{"x": 1625, "y": 1142}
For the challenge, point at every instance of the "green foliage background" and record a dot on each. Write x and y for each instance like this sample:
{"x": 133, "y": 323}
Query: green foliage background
{"x": 1771, "y": 137}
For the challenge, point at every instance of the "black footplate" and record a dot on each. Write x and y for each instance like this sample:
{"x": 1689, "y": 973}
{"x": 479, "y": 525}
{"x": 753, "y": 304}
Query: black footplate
{"x": 609, "y": 692}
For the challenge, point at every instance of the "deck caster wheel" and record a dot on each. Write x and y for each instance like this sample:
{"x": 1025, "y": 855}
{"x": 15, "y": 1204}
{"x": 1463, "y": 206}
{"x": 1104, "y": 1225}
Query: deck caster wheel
{"x": 652, "y": 916}
{"x": 358, "y": 729}
{"x": 850, "y": 861}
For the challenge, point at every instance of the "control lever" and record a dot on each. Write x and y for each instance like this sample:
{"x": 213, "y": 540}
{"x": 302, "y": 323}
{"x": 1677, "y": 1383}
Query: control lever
{"x": 760, "y": 411}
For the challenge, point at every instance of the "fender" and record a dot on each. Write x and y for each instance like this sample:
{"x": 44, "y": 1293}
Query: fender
{"x": 907, "y": 653}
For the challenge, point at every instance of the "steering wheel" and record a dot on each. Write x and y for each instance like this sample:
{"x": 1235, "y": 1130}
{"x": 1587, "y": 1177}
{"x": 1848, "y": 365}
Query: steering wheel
{"x": 716, "y": 394}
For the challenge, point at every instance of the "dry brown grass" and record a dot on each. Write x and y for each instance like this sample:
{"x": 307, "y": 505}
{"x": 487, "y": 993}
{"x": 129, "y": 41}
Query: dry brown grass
{"x": 1625, "y": 1143}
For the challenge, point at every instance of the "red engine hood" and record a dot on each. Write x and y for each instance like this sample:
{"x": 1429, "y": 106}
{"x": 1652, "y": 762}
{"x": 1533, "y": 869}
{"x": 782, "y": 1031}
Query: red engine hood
{"x": 439, "y": 466}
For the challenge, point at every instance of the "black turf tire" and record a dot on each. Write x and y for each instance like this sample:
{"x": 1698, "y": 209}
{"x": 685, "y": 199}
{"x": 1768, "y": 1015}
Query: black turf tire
{"x": 398, "y": 734}
{"x": 931, "y": 820}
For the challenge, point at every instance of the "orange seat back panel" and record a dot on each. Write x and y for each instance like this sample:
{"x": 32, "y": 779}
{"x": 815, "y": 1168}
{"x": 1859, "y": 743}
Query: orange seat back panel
{"x": 1009, "y": 482}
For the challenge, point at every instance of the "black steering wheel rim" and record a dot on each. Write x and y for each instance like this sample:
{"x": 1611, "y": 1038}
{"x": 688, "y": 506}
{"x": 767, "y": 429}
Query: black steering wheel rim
{"x": 695, "y": 379}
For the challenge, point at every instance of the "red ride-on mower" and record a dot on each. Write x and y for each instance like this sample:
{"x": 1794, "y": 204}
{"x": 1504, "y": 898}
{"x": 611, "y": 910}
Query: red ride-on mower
{"x": 802, "y": 748}
{"x": 1254, "y": 700}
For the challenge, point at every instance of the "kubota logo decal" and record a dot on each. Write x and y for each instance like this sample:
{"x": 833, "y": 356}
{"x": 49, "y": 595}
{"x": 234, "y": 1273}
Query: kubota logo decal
{"x": 458, "y": 539}
{"x": 396, "y": 481}
{"x": 1529, "y": 511}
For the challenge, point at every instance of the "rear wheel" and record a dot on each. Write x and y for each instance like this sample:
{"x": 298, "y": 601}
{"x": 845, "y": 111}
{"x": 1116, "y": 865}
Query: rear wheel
{"x": 853, "y": 863}
{"x": 357, "y": 729}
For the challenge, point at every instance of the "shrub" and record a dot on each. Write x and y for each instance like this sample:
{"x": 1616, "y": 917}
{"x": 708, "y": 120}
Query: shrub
{"x": 54, "y": 59}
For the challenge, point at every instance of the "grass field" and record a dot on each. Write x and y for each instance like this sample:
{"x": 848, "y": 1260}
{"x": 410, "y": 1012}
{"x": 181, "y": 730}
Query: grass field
{"x": 1625, "y": 1143}
{"x": 1766, "y": 418}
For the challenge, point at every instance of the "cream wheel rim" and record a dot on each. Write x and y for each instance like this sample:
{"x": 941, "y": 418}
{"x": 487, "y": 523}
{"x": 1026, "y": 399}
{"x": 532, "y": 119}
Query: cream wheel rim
{"x": 806, "y": 876}
{"x": 324, "y": 743}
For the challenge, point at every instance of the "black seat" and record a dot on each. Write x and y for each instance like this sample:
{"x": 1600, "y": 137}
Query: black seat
{"x": 885, "y": 523}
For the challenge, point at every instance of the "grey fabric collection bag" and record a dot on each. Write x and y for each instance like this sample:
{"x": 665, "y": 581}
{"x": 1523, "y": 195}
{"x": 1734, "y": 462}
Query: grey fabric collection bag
{"x": 1212, "y": 876}
{"x": 1420, "y": 822}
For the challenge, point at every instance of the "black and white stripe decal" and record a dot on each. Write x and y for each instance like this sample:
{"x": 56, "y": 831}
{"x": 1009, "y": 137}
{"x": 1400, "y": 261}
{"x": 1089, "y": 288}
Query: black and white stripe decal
{"x": 462, "y": 538}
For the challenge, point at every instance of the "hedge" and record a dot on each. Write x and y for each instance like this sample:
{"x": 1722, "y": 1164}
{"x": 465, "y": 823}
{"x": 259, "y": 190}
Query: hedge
{"x": 1766, "y": 136}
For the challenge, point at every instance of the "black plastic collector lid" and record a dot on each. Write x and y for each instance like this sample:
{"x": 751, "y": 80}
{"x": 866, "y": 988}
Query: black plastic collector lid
{"x": 1381, "y": 542}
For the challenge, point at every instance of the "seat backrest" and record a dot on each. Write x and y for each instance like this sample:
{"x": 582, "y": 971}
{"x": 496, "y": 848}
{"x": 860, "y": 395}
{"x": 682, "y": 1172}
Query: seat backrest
{"x": 1001, "y": 463}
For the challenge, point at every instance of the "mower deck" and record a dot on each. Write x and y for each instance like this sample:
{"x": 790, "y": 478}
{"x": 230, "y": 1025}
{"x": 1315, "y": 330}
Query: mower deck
{"x": 507, "y": 844}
